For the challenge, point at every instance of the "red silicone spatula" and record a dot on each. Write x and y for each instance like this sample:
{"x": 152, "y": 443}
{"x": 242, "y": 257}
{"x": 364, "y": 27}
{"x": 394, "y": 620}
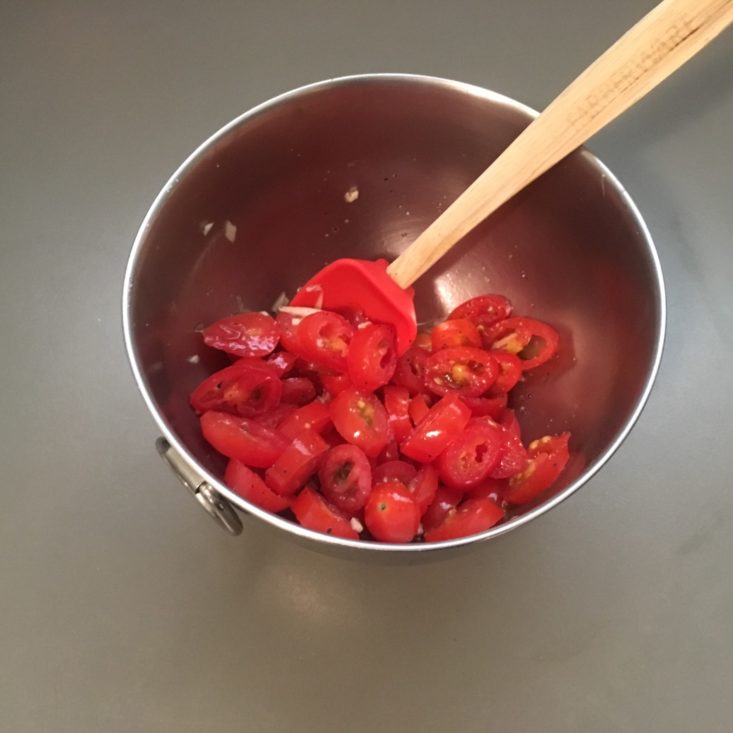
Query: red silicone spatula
{"x": 656, "y": 46}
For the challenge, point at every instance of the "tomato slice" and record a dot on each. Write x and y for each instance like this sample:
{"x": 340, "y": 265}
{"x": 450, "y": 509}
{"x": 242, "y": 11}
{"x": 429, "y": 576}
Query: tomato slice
{"x": 390, "y": 453}
{"x": 391, "y": 515}
{"x": 288, "y": 325}
{"x": 396, "y": 402}
{"x": 542, "y": 346}
{"x": 424, "y": 486}
{"x": 401, "y": 471}
{"x": 443, "y": 423}
{"x": 372, "y": 356}
{"x": 298, "y": 391}
{"x": 492, "y": 488}
{"x": 274, "y": 418}
{"x": 324, "y": 339}
{"x": 282, "y": 361}
{"x": 312, "y": 512}
{"x": 297, "y": 463}
{"x": 510, "y": 335}
{"x": 250, "y": 486}
{"x": 244, "y": 388}
{"x": 361, "y": 419}
{"x": 492, "y": 407}
{"x": 241, "y": 438}
{"x": 410, "y": 371}
{"x": 244, "y": 334}
{"x": 346, "y": 477}
{"x": 424, "y": 341}
{"x": 513, "y": 457}
{"x": 485, "y": 310}
{"x": 335, "y": 383}
{"x": 454, "y": 333}
{"x": 471, "y": 517}
{"x": 510, "y": 371}
{"x": 465, "y": 370}
{"x": 313, "y": 416}
{"x": 471, "y": 457}
{"x": 547, "y": 459}
{"x": 418, "y": 408}
{"x": 510, "y": 423}
{"x": 444, "y": 500}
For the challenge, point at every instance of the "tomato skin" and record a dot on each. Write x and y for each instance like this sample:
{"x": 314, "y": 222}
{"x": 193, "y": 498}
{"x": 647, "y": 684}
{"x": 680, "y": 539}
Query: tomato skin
{"x": 492, "y": 407}
{"x": 466, "y": 371}
{"x": 324, "y": 339}
{"x": 471, "y": 517}
{"x": 424, "y": 486}
{"x": 297, "y": 463}
{"x": 335, "y": 383}
{"x": 443, "y": 423}
{"x": 485, "y": 310}
{"x": 361, "y": 420}
{"x": 312, "y": 416}
{"x": 471, "y": 457}
{"x": 372, "y": 356}
{"x": 510, "y": 423}
{"x": 396, "y": 402}
{"x": 453, "y": 333}
{"x": 401, "y": 471}
{"x": 490, "y": 489}
{"x": 444, "y": 500}
{"x": 547, "y": 458}
{"x": 239, "y": 437}
{"x": 282, "y": 361}
{"x": 390, "y": 513}
{"x": 274, "y": 418}
{"x": 250, "y": 486}
{"x": 418, "y": 408}
{"x": 346, "y": 477}
{"x": 298, "y": 391}
{"x": 243, "y": 334}
{"x": 510, "y": 371}
{"x": 548, "y": 338}
{"x": 312, "y": 512}
{"x": 513, "y": 457}
{"x": 288, "y": 325}
{"x": 410, "y": 371}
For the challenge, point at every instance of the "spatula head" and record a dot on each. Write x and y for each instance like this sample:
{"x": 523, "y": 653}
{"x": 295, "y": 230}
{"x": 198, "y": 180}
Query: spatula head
{"x": 362, "y": 285}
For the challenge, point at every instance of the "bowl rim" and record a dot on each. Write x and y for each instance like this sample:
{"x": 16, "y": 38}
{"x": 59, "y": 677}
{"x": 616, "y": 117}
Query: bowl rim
{"x": 287, "y": 525}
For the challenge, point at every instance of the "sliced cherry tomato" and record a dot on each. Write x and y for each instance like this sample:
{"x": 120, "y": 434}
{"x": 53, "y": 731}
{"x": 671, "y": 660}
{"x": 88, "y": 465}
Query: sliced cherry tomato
{"x": 390, "y": 453}
{"x": 274, "y": 418}
{"x": 510, "y": 371}
{"x": 313, "y": 512}
{"x": 372, "y": 356}
{"x": 361, "y": 419}
{"x": 547, "y": 459}
{"x": 465, "y": 371}
{"x": 471, "y": 517}
{"x": 390, "y": 514}
{"x": 454, "y": 333}
{"x": 346, "y": 477}
{"x": 410, "y": 371}
{"x": 335, "y": 383}
{"x": 513, "y": 456}
{"x": 250, "y": 486}
{"x": 297, "y": 463}
{"x": 401, "y": 471}
{"x": 313, "y": 417}
{"x": 444, "y": 500}
{"x": 510, "y": 423}
{"x": 282, "y": 361}
{"x": 430, "y": 437}
{"x": 396, "y": 402}
{"x": 419, "y": 407}
{"x": 424, "y": 486}
{"x": 298, "y": 391}
{"x": 244, "y": 334}
{"x": 510, "y": 335}
{"x": 471, "y": 457}
{"x": 543, "y": 344}
{"x": 324, "y": 338}
{"x": 490, "y": 489}
{"x": 288, "y": 325}
{"x": 424, "y": 341}
{"x": 492, "y": 407}
{"x": 246, "y": 440}
{"x": 485, "y": 310}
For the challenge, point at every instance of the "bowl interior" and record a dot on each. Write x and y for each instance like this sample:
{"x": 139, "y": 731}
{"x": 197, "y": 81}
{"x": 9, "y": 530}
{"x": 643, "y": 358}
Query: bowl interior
{"x": 263, "y": 205}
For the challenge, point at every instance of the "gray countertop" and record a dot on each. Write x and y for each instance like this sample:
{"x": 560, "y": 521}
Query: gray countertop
{"x": 124, "y": 608}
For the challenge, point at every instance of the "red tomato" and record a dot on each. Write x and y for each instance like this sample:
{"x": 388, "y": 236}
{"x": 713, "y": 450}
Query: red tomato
{"x": 465, "y": 371}
{"x": 471, "y": 517}
{"x": 346, "y": 477}
{"x": 444, "y": 500}
{"x": 335, "y": 383}
{"x": 275, "y": 417}
{"x": 547, "y": 459}
{"x": 484, "y": 310}
{"x": 246, "y": 440}
{"x": 313, "y": 416}
{"x": 423, "y": 340}
{"x": 401, "y": 471}
{"x": 372, "y": 356}
{"x": 298, "y": 391}
{"x": 437, "y": 429}
{"x": 312, "y": 512}
{"x": 471, "y": 457}
{"x": 510, "y": 423}
{"x": 510, "y": 371}
{"x": 390, "y": 453}
{"x": 324, "y": 339}
{"x": 419, "y": 407}
{"x": 282, "y": 361}
{"x": 244, "y": 334}
{"x": 361, "y": 419}
{"x": 542, "y": 346}
{"x": 250, "y": 486}
{"x": 390, "y": 514}
{"x": 510, "y": 335}
{"x": 297, "y": 463}
{"x": 288, "y": 325}
{"x": 396, "y": 402}
{"x": 513, "y": 457}
{"x": 492, "y": 407}
{"x": 453, "y": 333}
{"x": 410, "y": 371}
{"x": 490, "y": 489}
{"x": 244, "y": 388}
{"x": 424, "y": 486}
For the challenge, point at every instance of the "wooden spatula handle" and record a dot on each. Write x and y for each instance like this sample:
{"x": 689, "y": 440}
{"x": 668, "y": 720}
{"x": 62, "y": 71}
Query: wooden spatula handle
{"x": 656, "y": 46}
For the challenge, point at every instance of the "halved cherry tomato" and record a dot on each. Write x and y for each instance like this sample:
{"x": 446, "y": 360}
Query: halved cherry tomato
{"x": 246, "y": 440}
{"x": 492, "y": 407}
{"x": 396, "y": 402}
{"x": 484, "y": 310}
{"x": 513, "y": 457}
{"x": 410, "y": 371}
{"x": 250, "y": 486}
{"x": 443, "y": 423}
{"x": 401, "y": 471}
{"x": 361, "y": 419}
{"x": 282, "y": 361}
{"x": 510, "y": 335}
{"x": 346, "y": 477}
{"x": 288, "y": 325}
{"x": 313, "y": 416}
{"x": 444, "y": 500}
{"x": 424, "y": 341}
{"x": 390, "y": 514}
{"x": 418, "y": 408}
{"x": 453, "y": 333}
{"x": 491, "y": 488}
{"x": 372, "y": 356}
{"x": 510, "y": 371}
{"x": 465, "y": 371}
{"x": 471, "y": 457}
{"x": 509, "y": 422}
{"x": 424, "y": 486}
{"x": 244, "y": 334}
{"x": 335, "y": 383}
{"x": 471, "y": 517}
{"x": 312, "y": 512}
{"x": 390, "y": 453}
{"x": 273, "y": 418}
{"x": 542, "y": 346}
{"x": 298, "y": 391}
{"x": 547, "y": 459}
{"x": 297, "y": 463}
{"x": 324, "y": 338}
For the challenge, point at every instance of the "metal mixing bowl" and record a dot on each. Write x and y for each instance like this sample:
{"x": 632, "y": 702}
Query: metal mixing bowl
{"x": 359, "y": 166}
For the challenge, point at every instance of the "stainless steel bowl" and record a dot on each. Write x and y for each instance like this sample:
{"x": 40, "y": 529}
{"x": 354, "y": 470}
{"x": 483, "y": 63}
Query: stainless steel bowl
{"x": 263, "y": 204}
